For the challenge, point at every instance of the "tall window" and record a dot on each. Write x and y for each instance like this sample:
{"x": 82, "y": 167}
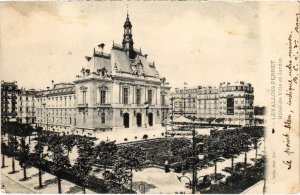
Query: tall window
{"x": 125, "y": 95}
{"x": 163, "y": 100}
{"x": 138, "y": 96}
{"x": 102, "y": 97}
{"x": 103, "y": 118}
{"x": 150, "y": 97}
{"x": 84, "y": 97}
{"x": 230, "y": 106}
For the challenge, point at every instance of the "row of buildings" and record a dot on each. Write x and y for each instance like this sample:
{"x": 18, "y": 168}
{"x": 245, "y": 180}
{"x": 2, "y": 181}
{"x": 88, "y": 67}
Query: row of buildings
{"x": 227, "y": 104}
{"x": 123, "y": 89}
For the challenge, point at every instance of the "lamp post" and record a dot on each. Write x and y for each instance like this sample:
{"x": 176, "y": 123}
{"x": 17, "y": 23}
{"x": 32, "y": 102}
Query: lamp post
{"x": 194, "y": 157}
{"x": 193, "y": 181}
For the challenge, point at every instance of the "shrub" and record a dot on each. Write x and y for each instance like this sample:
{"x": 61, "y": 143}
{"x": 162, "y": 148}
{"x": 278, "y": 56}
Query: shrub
{"x": 145, "y": 136}
{"x": 135, "y": 137}
{"x": 125, "y": 139}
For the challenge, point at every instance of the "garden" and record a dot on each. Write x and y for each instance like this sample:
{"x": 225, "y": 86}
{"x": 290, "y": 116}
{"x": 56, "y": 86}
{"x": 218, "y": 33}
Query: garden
{"x": 118, "y": 162}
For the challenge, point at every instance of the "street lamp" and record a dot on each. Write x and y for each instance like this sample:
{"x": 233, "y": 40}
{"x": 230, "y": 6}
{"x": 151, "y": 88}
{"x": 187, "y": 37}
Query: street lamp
{"x": 195, "y": 157}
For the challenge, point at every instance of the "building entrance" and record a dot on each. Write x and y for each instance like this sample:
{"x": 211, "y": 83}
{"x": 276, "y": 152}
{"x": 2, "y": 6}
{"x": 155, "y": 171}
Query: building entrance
{"x": 126, "y": 120}
{"x": 139, "y": 119}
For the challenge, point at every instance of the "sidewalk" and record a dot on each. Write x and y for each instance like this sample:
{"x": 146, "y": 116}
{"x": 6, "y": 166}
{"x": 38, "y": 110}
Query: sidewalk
{"x": 49, "y": 181}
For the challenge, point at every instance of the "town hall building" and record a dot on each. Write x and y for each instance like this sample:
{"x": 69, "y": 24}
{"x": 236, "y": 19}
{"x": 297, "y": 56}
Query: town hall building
{"x": 117, "y": 90}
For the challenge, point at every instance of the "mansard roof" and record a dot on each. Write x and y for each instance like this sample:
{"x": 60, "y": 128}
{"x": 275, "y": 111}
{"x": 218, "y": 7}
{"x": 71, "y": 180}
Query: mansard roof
{"x": 57, "y": 92}
{"x": 119, "y": 59}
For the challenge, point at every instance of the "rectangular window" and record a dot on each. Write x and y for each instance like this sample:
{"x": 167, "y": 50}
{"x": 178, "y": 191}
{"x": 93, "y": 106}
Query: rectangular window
{"x": 84, "y": 97}
{"x": 102, "y": 97}
{"x": 103, "y": 118}
{"x": 149, "y": 97}
{"x": 138, "y": 96}
{"x": 125, "y": 95}
{"x": 230, "y": 106}
{"x": 163, "y": 100}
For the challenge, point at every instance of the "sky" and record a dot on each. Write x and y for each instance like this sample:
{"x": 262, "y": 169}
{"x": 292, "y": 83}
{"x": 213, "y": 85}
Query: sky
{"x": 198, "y": 43}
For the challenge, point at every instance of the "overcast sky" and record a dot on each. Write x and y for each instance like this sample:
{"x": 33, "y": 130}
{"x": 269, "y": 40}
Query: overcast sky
{"x": 198, "y": 43}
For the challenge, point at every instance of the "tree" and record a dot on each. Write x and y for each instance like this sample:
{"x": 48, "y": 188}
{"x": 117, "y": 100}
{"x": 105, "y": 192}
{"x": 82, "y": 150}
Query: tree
{"x": 179, "y": 145}
{"x": 105, "y": 153}
{"x": 118, "y": 177}
{"x": 60, "y": 163}
{"x": 13, "y": 145}
{"x": 69, "y": 143}
{"x": 231, "y": 146}
{"x": 131, "y": 156}
{"x": 24, "y": 156}
{"x": 38, "y": 150}
{"x": 3, "y": 150}
{"x": 255, "y": 133}
{"x": 84, "y": 162}
{"x": 214, "y": 147}
{"x": 244, "y": 143}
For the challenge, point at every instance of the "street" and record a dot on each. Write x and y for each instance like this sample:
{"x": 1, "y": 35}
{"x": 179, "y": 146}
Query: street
{"x": 10, "y": 186}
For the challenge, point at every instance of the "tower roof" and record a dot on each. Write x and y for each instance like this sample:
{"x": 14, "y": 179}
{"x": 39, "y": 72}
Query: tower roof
{"x": 127, "y": 22}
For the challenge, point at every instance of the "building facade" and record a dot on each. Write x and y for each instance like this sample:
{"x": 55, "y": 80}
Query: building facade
{"x": 228, "y": 104}
{"x": 9, "y": 95}
{"x": 184, "y": 102}
{"x": 26, "y": 106}
{"x": 117, "y": 90}
{"x": 55, "y": 107}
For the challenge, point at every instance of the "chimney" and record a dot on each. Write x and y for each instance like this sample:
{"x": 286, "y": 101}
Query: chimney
{"x": 52, "y": 84}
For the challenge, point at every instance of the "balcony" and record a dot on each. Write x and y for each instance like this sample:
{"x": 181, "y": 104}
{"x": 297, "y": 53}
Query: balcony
{"x": 103, "y": 105}
{"x": 85, "y": 105}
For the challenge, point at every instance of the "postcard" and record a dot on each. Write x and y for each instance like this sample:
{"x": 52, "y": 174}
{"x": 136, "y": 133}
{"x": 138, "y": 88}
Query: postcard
{"x": 150, "y": 97}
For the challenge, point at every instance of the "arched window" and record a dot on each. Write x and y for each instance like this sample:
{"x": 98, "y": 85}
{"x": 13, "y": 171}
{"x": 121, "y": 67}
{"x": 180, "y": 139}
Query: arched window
{"x": 103, "y": 118}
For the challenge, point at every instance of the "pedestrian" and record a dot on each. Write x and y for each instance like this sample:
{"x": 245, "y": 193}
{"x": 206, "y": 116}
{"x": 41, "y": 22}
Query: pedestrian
{"x": 167, "y": 170}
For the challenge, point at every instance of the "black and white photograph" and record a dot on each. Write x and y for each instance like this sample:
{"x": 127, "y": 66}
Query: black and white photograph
{"x": 149, "y": 97}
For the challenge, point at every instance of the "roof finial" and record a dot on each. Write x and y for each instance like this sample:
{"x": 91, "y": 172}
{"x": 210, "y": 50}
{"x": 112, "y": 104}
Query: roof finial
{"x": 127, "y": 11}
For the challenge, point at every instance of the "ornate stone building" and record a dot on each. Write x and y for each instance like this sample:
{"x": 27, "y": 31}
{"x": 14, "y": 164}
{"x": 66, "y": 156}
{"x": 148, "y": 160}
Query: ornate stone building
{"x": 117, "y": 90}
